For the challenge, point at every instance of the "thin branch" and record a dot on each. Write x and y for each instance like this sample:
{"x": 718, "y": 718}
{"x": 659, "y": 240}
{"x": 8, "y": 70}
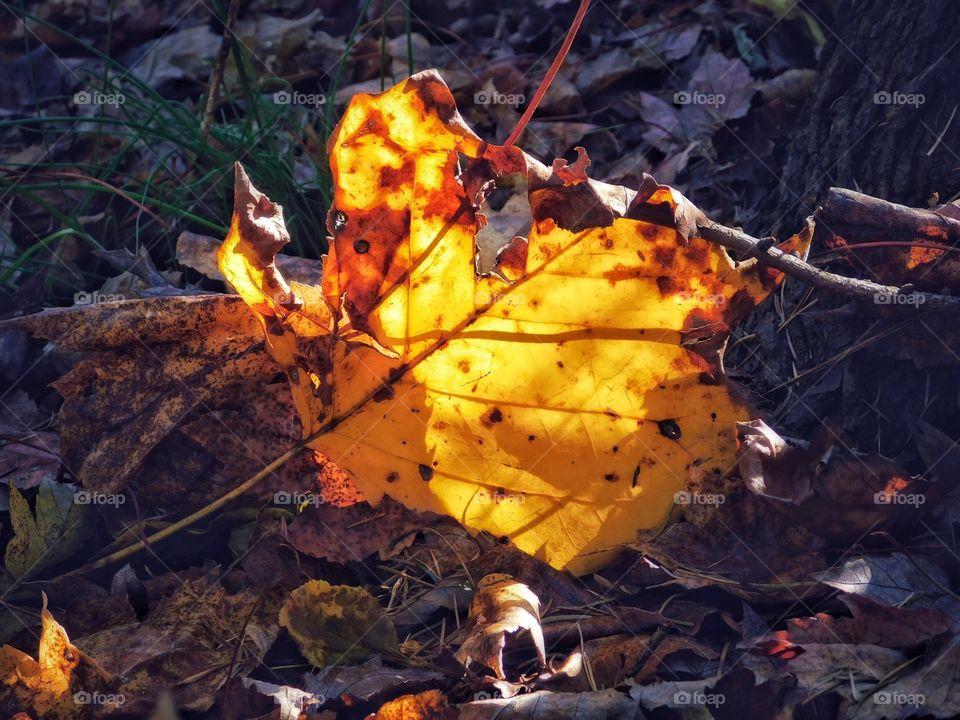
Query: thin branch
{"x": 216, "y": 76}
{"x": 793, "y": 266}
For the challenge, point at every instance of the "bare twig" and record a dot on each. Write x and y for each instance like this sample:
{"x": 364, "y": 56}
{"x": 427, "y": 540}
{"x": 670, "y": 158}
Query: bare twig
{"x": 216, "y": 76}
{"x": 853, "y": 215}
{"x": 795, "y": 267}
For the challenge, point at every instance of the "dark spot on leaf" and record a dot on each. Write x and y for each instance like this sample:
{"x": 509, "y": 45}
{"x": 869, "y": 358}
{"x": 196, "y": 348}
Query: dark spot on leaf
{"x": 616, "y": 448}
{"x": 667, "y": 285}
{"x": 531, "y": 438}
{"x": 636, "y": 475}
{"x": 384, "y": 393}
{"x": 361, "y": 246}
{"x": 669, "y": 429}
{"x": 426, "y": 472}
{"x": 665, "y": 254}
{"x": 393, "y": 477}
{"x": 559, "y": 363}
{"x": 494, "y": 415}
{"x": 713, "y": 416}
{"x": 611, "y": 477}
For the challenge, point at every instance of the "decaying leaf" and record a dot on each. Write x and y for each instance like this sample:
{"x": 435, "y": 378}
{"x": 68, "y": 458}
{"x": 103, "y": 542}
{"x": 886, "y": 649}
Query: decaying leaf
{"x": 824, "y": 486}
{"x": 61, "y": 684}
{"x": 155, "y": 361}
{"x": 343, "y": 534}
{"x": 52, "y": 532}
{"x": 500, "y": 607}
{"x": 563, "y": 409}
{"x": 334, "y": 624}
{"x": 429, "y": 705}
{"x": 27, "y": 454}
{"x": 928, "y": 686}
{"x": 870, "y": 624}
{"x": 186, "y": 643}
{"x": 894, "y": 579}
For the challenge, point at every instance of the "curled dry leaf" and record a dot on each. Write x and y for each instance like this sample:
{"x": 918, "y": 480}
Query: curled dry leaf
{"x": 500, "y": 606}
{"x": 295, "y": 320}
{"x": 563, "y": 409}
{"x": 335, "y": 624}
{"x": 52, "y": 686}
{"x": 429, "y": 705}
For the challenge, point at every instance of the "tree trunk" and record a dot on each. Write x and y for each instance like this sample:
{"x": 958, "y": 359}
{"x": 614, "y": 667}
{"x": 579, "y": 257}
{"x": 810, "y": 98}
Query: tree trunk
{"x": 884, "y": 116}
{"x": 883, "y": 119}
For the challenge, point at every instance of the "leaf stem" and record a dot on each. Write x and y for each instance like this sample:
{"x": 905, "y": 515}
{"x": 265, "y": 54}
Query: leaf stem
{"x": 551, "y": 74}
{"x": 203, "y": 512}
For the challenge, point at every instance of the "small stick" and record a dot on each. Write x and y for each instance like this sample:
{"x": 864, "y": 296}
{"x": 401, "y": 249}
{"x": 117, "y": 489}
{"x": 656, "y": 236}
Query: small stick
{"x": 203, "y": 512}
{"x": 216, "y": 77}
{"x": 795, "y": 267}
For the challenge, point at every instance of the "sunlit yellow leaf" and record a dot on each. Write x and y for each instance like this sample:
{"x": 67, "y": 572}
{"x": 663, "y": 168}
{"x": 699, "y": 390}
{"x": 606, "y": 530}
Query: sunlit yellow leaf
{"x": 563, "y": 409}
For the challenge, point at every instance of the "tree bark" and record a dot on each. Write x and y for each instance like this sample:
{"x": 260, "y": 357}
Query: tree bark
{"x": 883, "y": 118}
{"x": 814, "y": 358}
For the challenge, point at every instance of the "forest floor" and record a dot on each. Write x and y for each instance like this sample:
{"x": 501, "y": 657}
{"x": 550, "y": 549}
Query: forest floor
{"x": 831, "y": 591}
